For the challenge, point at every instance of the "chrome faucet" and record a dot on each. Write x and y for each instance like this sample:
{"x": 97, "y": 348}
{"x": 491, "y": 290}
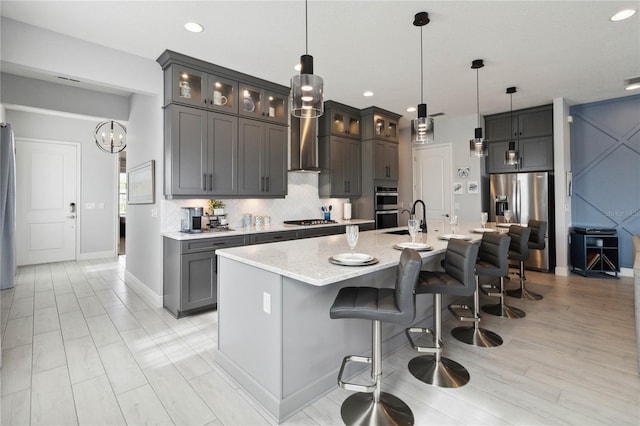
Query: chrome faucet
{"x": 423, "y": 222}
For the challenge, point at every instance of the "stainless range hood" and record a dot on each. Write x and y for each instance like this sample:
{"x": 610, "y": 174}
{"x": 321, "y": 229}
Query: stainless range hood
{"x": 304, "y": 145}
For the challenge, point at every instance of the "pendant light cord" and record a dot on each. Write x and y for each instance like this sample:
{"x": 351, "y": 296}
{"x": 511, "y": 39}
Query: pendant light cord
{"x": 511, "y": 114}
{"x": 478, "y": 95}
{"x": 306, "y": 29}
{"x": 421, "y": 71}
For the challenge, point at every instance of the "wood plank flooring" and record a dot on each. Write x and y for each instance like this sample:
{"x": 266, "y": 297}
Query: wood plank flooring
{"x": 80, "y": 347}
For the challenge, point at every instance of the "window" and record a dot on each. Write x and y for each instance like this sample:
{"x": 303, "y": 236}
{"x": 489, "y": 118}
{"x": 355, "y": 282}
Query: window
{"x": 122, "y": 202}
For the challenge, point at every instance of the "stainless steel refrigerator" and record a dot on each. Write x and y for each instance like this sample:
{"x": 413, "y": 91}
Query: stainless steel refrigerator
{"x": 528, "y": 196}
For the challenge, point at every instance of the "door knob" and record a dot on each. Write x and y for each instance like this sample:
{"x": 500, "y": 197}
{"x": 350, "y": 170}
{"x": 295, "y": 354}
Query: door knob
{"x": 446, "y": 215}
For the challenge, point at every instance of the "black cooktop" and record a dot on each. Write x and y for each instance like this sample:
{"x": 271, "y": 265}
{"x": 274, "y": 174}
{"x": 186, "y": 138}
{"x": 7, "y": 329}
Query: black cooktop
{"x": 307, "y": 222}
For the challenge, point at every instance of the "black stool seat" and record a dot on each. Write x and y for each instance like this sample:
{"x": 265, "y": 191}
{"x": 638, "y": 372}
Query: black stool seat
{"x": 492, "y": 262}
{"x": 458, "y": 279}
{"x": 371, "y": 406}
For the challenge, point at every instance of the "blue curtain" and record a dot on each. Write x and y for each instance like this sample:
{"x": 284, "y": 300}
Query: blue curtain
{"x": 7, "y": 207}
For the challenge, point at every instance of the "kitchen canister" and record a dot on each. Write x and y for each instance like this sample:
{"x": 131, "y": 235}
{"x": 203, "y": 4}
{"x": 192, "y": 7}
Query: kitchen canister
{"x": 258, "y": 221}
{"x": 346, "y": 211}
{"x": 266, "y": 220}
{"x": 246, "y": 220}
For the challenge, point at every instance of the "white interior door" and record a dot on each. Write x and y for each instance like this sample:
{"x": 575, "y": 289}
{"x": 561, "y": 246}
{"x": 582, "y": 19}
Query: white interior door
{"x": 46, "y": 201}
{"x": 432, "y": 182}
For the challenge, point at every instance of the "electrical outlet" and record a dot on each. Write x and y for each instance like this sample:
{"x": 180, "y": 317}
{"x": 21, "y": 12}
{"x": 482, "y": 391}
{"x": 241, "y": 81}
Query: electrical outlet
{"x": 266, "y": 303}
{"x": 154, "y": 212}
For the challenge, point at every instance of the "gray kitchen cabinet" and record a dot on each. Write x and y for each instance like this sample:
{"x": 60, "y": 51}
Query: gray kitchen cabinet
{"x": 260, "y": 103}
{"x": 340, "y": 160}
{"x": 380, "y": 124}
{"x": 272, "y": 237}
{"x": 262, "y": 159}
{"x": 190, "y": 273}
{"x": 339, "y": 154}
{"x": 200, "y": 152}
{"x": 531, "y": 130}
{"x": 385, "y": 160}
{"x": 199, "y": 88}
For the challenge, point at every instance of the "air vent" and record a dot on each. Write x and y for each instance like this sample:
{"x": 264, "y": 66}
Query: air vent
{"x": 69, "y": 79}
{"x": 437, "y": 114}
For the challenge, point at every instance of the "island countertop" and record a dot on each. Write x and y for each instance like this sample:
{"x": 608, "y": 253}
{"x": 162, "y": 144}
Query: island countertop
{"x": 307, "y": 260}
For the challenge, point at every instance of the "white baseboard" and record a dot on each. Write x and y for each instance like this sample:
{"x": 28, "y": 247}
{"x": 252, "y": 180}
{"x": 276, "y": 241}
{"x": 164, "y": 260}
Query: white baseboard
{"x": 562, "y": 271}
{"x": 626, "y": 272}
{"x": 96, "y": 255}
{"x": 142, "y": 290}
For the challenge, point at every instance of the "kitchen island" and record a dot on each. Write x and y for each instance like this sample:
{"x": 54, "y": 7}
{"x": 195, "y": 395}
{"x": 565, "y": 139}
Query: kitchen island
{"x": 275, "y": 337}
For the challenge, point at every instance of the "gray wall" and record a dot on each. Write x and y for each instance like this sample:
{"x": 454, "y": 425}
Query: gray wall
{"x": 605, "y": 161}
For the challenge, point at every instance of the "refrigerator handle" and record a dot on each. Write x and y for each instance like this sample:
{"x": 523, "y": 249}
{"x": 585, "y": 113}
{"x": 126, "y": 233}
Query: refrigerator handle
{"x": 518, "y": 201}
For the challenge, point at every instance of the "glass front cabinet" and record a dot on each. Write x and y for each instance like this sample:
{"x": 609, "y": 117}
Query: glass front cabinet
{"x": 264, "y": 104}
{"x": 199, "y": 88}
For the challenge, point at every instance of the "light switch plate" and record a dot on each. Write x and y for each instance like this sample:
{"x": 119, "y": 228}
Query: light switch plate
{"x": 266, "y": 303}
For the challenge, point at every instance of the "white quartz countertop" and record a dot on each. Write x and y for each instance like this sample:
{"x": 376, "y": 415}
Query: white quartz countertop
{"x": 176, "y": 235}
{"x": 307, "y": 260}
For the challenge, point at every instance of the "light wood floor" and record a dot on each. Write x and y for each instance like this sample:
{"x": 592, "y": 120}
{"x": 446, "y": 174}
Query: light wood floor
{"x": 79, "y": 347}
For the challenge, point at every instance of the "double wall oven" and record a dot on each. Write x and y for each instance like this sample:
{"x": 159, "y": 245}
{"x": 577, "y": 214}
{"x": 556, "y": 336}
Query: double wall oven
{"x": 386, "y": 206}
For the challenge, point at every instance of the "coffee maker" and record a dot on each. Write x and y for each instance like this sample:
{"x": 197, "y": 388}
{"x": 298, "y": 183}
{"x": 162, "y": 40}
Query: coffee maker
{"x": 191, "y": 220}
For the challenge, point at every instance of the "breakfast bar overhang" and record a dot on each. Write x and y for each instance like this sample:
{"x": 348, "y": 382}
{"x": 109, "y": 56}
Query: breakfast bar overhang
{"x": 275, "y": 337}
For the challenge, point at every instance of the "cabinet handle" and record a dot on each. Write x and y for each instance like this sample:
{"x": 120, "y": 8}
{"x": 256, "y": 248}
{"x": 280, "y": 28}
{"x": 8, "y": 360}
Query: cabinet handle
{"x": 211, "y": 182}
{"x": 204, "y": 181}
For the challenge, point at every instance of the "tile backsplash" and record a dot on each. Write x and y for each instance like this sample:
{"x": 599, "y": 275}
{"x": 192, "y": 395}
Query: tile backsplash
{"x": 302, "y": 202}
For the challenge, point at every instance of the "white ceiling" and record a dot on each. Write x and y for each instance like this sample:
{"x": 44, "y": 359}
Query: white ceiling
{"x": 549, "y": 49}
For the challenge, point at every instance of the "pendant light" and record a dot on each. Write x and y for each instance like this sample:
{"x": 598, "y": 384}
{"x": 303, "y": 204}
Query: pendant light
{"x": 478, "y": 145}
{"x": 110, "y": 136}
{"x": 306, "y": 99}
{"x": 511, "y": 154}
{"x": 422, "y": 126}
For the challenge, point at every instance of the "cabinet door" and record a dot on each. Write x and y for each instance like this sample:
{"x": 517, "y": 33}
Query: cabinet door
{"x": 535, "y": 124}
{"x": 251, "y": 101}
{"x": 536, "y": 154}
{"x": 189, "y": 152}
{"x": 198, "y": 280}
{"x": 352, "y": 167}
{"x": 495, "y": 159}
{"x": 338, "y": 167}
{"x": 391, "y": 154}
{"x": 276, "y": 107}
{"x": 275, "y": 154}
{"x": 344, "y": 124}
{"x": 222, "y": 94}
{"x": 250, "y": 157}
{"x": 223, "y": 145}
{"x": 380, "y": 170}
{"x": 188, "y": 85}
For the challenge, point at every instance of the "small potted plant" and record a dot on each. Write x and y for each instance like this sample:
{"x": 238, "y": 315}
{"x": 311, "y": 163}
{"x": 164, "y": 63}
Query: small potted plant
{"x": 216, "y": 207}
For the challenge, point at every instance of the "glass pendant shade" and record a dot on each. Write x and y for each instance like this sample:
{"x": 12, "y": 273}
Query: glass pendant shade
{"x": 478, "y": 146}
{"x": 511, "y": 155}
{"x": 422, "y": 126}
{"x": 306, "y": 91}
{"x": 110, "y": 136}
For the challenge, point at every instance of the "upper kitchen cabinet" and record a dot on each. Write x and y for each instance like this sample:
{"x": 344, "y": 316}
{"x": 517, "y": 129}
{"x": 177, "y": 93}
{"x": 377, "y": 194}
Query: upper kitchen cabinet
{"x": 262, "y": 159}
{"x": 198, "y": 88}
{"x": 201, "y": 150}
{"x": 532, "y": 132}
{"x": 339, "y": 158}
{"x": 385, "y": 158}
{"x": 260, "y": 103}
{"x": 340, "y": 120}
{"x": 380, "y": 124}
{"x": 214, "y": 118}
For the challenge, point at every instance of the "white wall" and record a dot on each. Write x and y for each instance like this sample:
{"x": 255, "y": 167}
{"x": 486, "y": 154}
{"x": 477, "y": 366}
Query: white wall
{"x": 97, "y": 225}
{"x": 562, "y": 164}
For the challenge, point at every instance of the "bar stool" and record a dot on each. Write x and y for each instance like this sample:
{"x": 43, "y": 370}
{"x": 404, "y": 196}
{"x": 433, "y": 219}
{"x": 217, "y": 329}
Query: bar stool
{"x": 458, "y": 280}
{"x": 519, "y": 250}
{"x": 492, "y": 248}
{"x": 535, "y": 242}
{"x": 396, "y": 305}
{"x": 494, "y": 263}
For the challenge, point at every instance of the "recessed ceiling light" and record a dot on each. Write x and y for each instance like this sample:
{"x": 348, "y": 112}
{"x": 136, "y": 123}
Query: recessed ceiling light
{"x": 632, "y": 83}
{"x": 411, "y": 109}
{"x": 194, "y": 27}
{"x": 368, "y": 93}
{"x": 622, "y": 15}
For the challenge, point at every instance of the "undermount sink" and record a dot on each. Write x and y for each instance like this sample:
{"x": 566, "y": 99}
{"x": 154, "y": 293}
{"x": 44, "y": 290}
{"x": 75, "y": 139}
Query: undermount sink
{"x": 399, "y": 232}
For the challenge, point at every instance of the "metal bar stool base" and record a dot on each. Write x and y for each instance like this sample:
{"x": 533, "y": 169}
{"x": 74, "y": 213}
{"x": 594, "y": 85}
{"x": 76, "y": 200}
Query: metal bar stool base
{"x": 480, "y": 337}
{"x": 523, "y": 293}
{"x": 360, "y": 409}
{"x": 504, "y": 311}
{"x": 445, "y": 373}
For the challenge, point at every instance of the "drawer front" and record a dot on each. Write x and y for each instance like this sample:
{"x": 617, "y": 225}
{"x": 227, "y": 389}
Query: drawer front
{"x": 208, "y": 244}
{"x": 272, "y": 237}
{"x": 323, "y": 231}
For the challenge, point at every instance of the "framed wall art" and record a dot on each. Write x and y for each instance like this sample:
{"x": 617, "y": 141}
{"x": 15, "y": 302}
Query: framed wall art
{"x": 141, "y": 184}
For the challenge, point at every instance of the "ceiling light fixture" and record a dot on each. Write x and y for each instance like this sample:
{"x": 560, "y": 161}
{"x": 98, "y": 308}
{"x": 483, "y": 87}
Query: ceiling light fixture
{"x": 622, "y": 15}
{"x": 194, "y": 27}
{"x": 306, "y": 89}
{"x": 411, "y": 109}
{"x": 110, "y": 136}
{"x": 511, "y": 154}
{"x": 478, "y": 145}
{"x": 632, "y": 83}
{"x": 423, "y": 125}
{"x": 368, "y": 93}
